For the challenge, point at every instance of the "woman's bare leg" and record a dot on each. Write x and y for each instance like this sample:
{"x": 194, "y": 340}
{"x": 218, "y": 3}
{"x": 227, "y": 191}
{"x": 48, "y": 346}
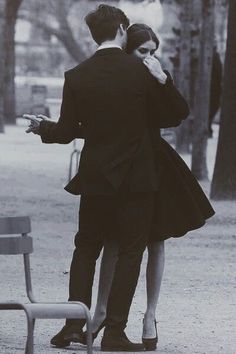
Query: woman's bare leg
{"x": 107, "y": 269}
{"x": 154, "y": 272}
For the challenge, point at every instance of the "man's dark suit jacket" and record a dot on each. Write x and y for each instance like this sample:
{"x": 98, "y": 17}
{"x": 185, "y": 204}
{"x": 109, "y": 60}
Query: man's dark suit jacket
{"x": 113, "y": 102}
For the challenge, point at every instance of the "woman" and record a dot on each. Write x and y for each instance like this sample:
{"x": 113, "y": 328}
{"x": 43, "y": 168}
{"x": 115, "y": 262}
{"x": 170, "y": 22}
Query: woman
{"x": 181, "y": 205}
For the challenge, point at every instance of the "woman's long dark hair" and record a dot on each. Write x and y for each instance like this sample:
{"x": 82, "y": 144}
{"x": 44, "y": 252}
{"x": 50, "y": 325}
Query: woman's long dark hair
{"x": 138, "y": 34}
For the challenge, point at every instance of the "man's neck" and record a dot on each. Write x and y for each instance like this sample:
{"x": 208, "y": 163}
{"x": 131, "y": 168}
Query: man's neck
{"x": 109, "y": 44}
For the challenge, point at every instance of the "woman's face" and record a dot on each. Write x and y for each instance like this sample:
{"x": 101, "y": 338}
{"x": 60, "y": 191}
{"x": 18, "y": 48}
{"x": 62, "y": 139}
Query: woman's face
{"x": 146, "y": 49}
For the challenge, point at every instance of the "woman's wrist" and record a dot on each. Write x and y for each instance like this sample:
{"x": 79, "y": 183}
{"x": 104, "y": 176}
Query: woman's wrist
{"x": 162, "y": 77}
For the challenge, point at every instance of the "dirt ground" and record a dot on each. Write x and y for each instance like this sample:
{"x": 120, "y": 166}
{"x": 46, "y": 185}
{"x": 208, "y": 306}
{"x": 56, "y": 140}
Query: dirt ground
{"x": 197, "y": 306}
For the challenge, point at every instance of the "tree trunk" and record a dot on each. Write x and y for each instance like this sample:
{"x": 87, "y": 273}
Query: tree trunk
{"x": 183, "y": 137}
{"x": 12, "y": 7}
{"x": 221, "y": 18}
{"x": 201, "y": 106}
{"x": 69, "y": 42}
{"x": 2, "y": 12}
{"x": 224, "y": 178}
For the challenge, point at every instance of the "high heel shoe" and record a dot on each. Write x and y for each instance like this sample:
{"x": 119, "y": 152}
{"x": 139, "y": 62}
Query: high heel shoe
{"x": 94, "y": 334}
{"x": 151, "y": 343}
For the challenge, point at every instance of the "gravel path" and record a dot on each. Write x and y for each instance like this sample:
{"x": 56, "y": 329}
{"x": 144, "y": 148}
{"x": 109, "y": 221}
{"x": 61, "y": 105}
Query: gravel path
{"x": 197, "y": 306}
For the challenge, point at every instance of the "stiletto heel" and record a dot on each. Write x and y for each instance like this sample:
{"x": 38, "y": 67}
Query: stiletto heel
{"x": 94, "y": 334}
{"x": 151, "y": 343}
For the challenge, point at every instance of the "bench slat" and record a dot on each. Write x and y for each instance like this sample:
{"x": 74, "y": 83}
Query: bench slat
{"x": 16, "y": 245}
{"x": 15, "y": 225}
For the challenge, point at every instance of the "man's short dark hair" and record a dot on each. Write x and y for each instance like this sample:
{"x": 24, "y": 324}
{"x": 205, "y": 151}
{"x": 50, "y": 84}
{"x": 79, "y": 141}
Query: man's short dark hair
{"x": 105, "y": 21}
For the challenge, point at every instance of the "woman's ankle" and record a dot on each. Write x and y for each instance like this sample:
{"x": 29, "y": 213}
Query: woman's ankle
{"x": 149, "y": 316}
{"x": 98, "y": 318}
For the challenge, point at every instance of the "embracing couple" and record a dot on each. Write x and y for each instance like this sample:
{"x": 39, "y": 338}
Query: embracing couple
{"x": 117, "y": 101}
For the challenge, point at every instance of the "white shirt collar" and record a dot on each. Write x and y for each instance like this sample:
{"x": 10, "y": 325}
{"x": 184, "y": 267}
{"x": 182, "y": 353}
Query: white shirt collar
{"x": 106, "y": 46}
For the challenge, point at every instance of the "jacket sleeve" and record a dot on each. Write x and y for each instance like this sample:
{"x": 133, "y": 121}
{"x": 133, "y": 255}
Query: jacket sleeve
{"x": 69, "y": 126}
{"x": 169, "y": 106}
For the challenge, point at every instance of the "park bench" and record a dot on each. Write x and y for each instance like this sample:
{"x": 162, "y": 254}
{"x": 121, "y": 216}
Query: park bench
{"x": 23, "y": 244}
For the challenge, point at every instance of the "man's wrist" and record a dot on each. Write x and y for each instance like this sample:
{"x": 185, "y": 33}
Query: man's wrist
{"x": 36, "y": 130}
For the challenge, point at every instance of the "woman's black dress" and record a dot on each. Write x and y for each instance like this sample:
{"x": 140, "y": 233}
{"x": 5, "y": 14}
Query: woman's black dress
{"x": 180, "y": 204}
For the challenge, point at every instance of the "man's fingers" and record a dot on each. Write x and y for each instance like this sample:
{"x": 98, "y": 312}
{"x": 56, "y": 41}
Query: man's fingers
{"x": 42, "y": 116}
{"x": 29, "y": 130}
{"x": 30, "y": 117}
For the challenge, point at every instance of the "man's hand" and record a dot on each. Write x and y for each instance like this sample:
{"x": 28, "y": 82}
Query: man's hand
{"x": 154, "y": 66}
{"x": 43, "y": 117}
{"x": 34, "y": 122}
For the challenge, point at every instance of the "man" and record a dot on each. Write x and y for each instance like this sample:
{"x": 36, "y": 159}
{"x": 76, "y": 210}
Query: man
{"x": 107, "y": 100}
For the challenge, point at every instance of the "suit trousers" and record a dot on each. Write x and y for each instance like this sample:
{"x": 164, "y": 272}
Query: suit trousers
{"x": 127, "y": 218}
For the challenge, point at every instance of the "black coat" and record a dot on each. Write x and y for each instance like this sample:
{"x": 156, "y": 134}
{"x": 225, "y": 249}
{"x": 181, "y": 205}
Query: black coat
{"x": 180, "y": 204}
{"x": 113, "y": 102}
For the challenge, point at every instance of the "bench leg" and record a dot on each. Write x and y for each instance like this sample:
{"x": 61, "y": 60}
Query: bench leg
{"x": 89, "y": 341}
{"x": 30, "y": 337}
{"x": 89, "y": 333}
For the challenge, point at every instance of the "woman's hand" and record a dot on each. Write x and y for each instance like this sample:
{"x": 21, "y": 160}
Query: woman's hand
{"x": 154, "y": 67}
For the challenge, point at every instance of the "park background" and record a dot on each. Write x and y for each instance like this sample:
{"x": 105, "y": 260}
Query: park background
{"x": 39, "y": 40}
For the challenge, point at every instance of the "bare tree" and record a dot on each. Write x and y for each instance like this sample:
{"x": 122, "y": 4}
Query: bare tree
{"x": 202, "y": 97}
{"x": 183, "y": 137}
{"x": 224, "y": 178}
{"x": 2, "y": 18}
{"x": 12, "y": 7}
{"x": 52, "y": 17}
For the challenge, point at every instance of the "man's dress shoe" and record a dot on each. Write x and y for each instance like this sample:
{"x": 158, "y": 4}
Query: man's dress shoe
{"x": 119, "y": 343}
{"x": 68, "y": 334}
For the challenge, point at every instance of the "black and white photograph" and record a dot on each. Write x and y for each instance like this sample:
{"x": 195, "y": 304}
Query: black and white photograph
{"x": 118, "y": 176}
